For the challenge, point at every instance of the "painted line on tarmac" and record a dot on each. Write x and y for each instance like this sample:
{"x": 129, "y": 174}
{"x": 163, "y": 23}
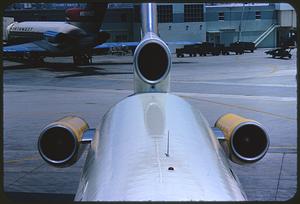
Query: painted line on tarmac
{"x": 18, "y": 88}
{"x": 34, "y": 157}
{"x": 15, "y": 88}
{"x": 215, "y": 83}
{"x": 27, "y": 173}
{"x": 243, "y": 108}
{"x": 283, "y": 149}
{"x": 237, "y": 84}
{"x": 24, "y": 88}
{"x": 265, "y": 98}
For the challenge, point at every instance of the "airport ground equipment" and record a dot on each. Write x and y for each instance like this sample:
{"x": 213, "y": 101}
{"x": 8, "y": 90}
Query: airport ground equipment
{"x": 205, "y": 48}
{"x": 280, "y": 52}
{"x": 190, "y": 50}
{"x": 249, "y": 46}
{"x": 201, "y": 49}
{"x": 237, "y": 48}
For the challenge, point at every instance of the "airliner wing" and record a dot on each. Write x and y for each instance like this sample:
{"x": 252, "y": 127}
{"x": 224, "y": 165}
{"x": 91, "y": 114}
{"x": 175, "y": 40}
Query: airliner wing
{"x": 134, "y": 44}
{"x": 180, "y": 43}
{"x": 116, "y": 44}
{"x": 42, "y": 46}
{"x": 23, "y": 48}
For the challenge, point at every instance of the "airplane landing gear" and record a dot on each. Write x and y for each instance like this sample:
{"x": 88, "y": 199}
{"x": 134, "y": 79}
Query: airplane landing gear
{"x": 82, "y": 59}
{"x": 33, "y": 59}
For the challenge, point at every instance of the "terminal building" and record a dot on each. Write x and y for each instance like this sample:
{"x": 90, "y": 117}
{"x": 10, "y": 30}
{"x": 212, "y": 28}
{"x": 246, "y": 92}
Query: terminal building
{"x": 266, "y": 24}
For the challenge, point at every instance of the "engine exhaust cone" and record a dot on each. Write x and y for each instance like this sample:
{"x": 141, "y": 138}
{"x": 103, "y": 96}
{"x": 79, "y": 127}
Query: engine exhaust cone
{"x": 247, "y": 140}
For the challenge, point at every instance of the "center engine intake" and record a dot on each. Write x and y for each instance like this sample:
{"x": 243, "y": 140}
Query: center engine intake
{"x": 152, "y": 63}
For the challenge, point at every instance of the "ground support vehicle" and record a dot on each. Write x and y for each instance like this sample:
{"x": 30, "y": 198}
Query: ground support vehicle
{"x": 249, "y": 46}
{"x": 280, "y": 52}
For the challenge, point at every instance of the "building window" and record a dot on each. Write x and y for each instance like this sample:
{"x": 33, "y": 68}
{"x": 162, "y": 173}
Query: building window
{"x": 257, "y": 15}
{"x": 193, "y": 12}
{"x": 165, "y": 13}
{"x": 221, "y": 16}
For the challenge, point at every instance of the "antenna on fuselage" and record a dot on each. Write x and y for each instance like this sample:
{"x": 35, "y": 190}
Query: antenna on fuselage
{"x": 168, "y": 145}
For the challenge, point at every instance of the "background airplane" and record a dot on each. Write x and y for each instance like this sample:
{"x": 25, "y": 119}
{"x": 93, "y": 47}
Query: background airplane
{"x": 79, "y": 36}
{"x": 153, "y": 145}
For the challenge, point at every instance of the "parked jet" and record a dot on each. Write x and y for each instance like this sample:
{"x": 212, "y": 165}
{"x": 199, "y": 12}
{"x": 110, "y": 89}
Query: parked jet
{"x": 153, "y": 145}
{"x": 76, "y": 37}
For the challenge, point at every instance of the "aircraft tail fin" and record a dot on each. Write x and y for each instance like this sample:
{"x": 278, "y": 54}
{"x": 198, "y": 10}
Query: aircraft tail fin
{"x": 89, "y": 18}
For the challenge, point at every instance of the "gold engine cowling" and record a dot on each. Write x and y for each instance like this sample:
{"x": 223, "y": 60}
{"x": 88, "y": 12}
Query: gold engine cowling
{"x": 246, "y": 139}
{"x": 59, "y": 142}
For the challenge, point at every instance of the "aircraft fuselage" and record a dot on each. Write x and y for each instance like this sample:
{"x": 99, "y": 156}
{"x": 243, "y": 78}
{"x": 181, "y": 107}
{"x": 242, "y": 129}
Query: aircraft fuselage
{"x": 152, "y": 145}
{"x": 76, "y": 37}
{"x": 72, "y": 37}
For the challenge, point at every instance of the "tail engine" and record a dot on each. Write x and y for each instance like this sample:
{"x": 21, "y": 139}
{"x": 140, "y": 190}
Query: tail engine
{"x": 246, "y": 139}
{"x": 59, "y": 143}
{"x": 152, "y": 57}
{"x": 54, "y": 37}
{"x": 152, "y": 63}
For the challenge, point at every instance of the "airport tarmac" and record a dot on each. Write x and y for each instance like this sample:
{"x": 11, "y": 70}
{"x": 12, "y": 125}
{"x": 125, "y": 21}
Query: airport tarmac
{"x": 253, "y": 85}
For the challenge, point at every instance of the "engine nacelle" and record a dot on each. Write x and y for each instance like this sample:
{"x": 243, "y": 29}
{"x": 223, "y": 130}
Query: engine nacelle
{"x": 152, "y": 63}
{"x": 247, "y": 141}
{"x": 59, "y": 143}
{"x": 54, "y": 37}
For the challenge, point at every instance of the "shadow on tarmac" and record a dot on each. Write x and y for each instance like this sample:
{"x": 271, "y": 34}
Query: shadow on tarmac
{"x": 91, "y": 71}
{"x": 56, "y": 65}
{"x": 278, "y": 58}
{"x": 65, "y": 66}
{"x": 69, "y": 67}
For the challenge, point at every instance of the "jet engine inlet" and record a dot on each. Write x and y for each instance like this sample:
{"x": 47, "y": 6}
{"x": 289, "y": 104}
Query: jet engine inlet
{"x": 246, "y": 139}
{"x": 152, "y": 60}
{"x": 59, "y": 142}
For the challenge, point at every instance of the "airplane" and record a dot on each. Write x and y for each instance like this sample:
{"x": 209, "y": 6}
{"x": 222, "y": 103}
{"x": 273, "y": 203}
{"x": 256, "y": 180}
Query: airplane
{"x": 79, "y": 36}
{"x": 153, "y": 145}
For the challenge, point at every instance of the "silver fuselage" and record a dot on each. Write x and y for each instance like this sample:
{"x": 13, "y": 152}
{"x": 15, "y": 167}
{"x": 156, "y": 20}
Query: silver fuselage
{"x": 139, "y": 142}
{"x": 154, "y": 146}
